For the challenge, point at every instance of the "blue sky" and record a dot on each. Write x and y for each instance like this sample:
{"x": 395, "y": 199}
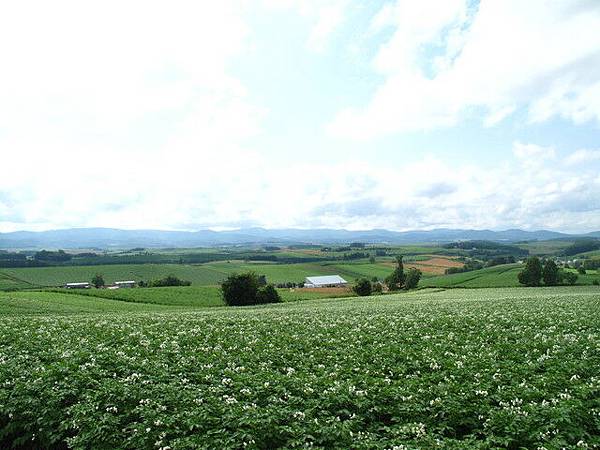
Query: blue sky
{"x": 333, "y": 113}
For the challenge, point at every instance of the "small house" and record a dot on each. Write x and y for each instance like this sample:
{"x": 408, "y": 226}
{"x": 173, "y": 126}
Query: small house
{"x": 125, "y": 284}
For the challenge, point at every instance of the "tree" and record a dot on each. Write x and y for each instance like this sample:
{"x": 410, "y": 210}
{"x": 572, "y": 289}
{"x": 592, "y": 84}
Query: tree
{"x": 268, "y": 294}
{"x": 550, "y": 273}
{"x": 570, "y": 278}
{"x": 363, "y": 287}
{"x": 581, "y": 270}
{"x": 412, "y": 278}
{"x": 531, "y": 275}
{"x": 396, "y": 279}
{"x": 244, "y": 289}
{"x": 372, "y": 259}
{"x": 98, "y": 281}
{"x": 239, "y": 290}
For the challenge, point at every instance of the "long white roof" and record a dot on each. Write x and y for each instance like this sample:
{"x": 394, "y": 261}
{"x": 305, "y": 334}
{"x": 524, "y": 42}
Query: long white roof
{"x": 327, "y": 279}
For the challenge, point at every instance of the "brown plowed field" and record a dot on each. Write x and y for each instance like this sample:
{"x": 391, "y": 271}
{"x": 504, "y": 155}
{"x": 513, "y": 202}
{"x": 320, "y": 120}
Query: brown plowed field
{"x": 436, "y": 265}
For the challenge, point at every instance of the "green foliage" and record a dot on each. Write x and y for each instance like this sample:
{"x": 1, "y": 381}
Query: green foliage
{"x": 396, "y": 279}
{"x": 98, "y": 280}
{"x": 570, "y": 277}
{"x": 591, "y": 264}
{"x": 246, "y": 289}
{"x": 240, "y": 289}
{"x": 377, "y": 287}
{"x": 531, "y": 275}
{"x": 168, "y": 281}
{"x": 582, "y": 246}
{"x": 268, "y": 294}
{"x": 362, "y": 287}
{"x": 45, "y": 255}
{"x": 581, "y": 270}
{"x": 499, "y": 368}
{"x": 412, "y": 278}
{"x": 550, "y": 273}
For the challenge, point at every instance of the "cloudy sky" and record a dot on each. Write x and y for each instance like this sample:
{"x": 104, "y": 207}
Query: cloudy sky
{"x": 300, "y": 113}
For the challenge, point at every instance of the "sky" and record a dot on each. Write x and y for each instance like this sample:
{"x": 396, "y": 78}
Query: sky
{"x": 394, "y": 114}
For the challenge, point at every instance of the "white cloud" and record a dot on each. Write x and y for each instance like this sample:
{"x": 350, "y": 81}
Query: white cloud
{"x": 230, "y": 188}
{"x": 325, "y": 17}
{"x": 129, "y": 115}
{"x": 532, "y": 153}
{"x": 583, "y": 156}
{"x": 445, "y": 60}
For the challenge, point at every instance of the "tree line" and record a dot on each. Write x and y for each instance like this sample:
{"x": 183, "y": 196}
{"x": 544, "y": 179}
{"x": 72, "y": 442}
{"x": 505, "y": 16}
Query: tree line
{"x": 395, "y": 281}
{"x": 535, "y": 272}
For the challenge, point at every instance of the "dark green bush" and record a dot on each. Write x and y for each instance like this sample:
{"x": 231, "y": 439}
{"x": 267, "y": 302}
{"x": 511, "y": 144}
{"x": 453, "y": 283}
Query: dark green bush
{"x": 363, "y": 287}
{"x": 245, "y": 289}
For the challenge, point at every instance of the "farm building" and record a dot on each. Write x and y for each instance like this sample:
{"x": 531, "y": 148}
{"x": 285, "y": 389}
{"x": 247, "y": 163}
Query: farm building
{"x": 325, "y": 281}
{"x": 78, "y": 285}
{"x": 125, "y": 284}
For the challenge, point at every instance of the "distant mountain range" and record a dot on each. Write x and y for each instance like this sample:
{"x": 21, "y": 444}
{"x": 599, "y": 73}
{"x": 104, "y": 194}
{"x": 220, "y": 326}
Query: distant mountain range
{"x": 108, "y": 238}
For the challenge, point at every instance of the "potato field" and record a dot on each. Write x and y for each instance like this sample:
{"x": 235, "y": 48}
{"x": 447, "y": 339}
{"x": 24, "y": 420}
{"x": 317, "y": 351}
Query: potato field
{"x": 486, "y": 368}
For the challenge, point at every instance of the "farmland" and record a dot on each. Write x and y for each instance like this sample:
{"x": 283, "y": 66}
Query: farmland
{"x": 483, "y": 368}
{"x": 497, "y": 276}
{"x": 199, "y": 275}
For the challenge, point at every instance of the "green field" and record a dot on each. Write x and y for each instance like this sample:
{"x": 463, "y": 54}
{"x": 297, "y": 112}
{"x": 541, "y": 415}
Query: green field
{"x": 199, "y": 275}
{"x": 185, "y": 296}
{"x": 497, "y": 276}
{"x": 486, "y": 368}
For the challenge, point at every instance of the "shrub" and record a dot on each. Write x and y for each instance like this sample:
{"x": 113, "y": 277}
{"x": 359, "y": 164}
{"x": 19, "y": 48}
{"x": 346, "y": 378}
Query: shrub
{"x": 268, "y": 294}
{"x": 377, "y": 287}
{"x": 596, "y": 283}
{"x": 362, "y": 287}
{"x": 581, "y": 270}
{"x": 412, "y": 279}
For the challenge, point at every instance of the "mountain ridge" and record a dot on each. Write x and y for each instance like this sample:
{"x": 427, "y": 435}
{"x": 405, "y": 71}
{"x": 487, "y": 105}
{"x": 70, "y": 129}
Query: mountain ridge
{"x": 108, "y": 238}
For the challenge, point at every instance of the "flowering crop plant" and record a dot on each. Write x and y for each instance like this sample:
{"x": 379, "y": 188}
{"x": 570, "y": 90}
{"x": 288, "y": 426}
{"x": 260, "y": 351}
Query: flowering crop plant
{"x": 456, "y": 369}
